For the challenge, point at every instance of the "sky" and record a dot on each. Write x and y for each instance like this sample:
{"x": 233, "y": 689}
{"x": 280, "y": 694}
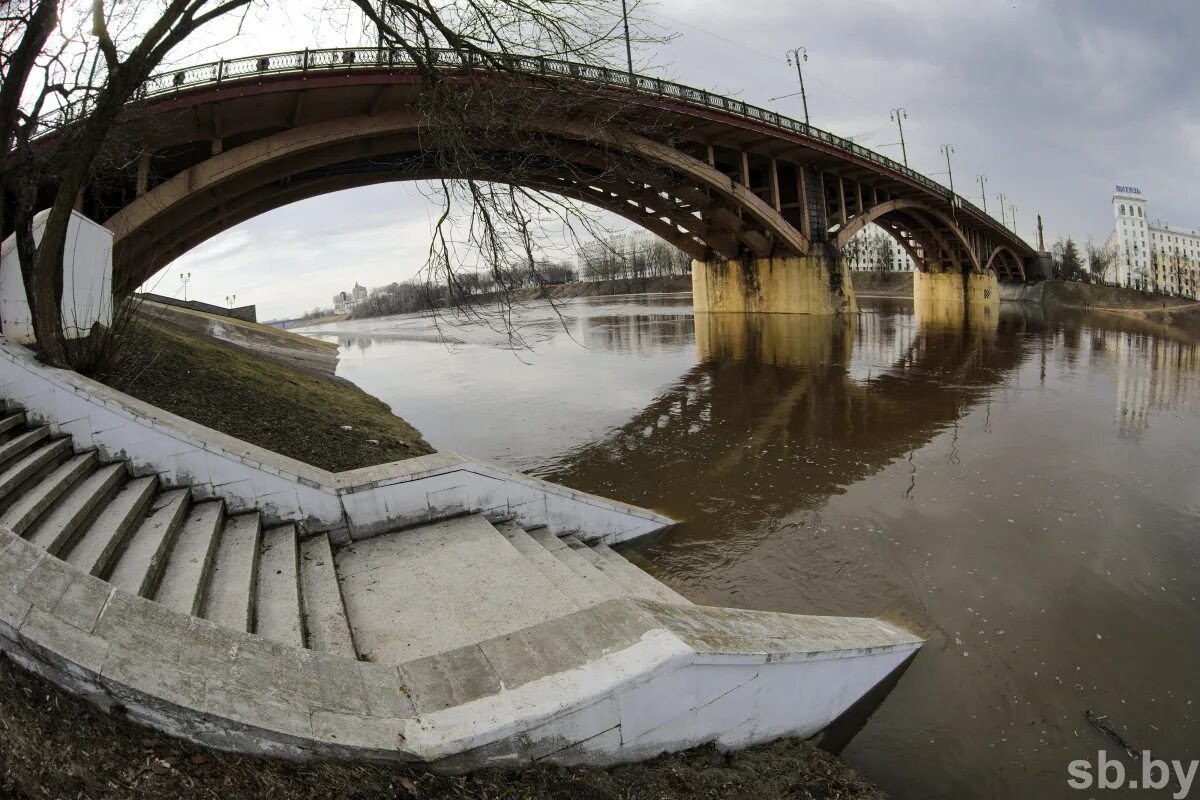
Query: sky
{"x": 1055, "y": 101}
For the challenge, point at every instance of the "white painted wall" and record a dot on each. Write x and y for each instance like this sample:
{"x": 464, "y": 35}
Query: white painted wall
{"x": 87, "y": 280}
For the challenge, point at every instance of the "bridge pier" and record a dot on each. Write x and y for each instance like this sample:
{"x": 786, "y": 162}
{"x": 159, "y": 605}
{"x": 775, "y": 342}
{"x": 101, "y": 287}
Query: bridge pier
{"x": 950, "y": 298}
{"x": 817, "y": 283}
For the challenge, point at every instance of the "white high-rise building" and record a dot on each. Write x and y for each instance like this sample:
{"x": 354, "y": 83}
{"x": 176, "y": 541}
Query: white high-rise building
{"x": 1151, "y": 255}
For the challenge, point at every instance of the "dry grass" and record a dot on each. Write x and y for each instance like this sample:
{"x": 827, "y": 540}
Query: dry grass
{"x": 53, "y": 745}
{"x": 265, "y": 401}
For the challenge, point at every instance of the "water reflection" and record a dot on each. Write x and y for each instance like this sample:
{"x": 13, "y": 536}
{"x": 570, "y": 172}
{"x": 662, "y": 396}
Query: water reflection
{"x": 1019, "y": 486}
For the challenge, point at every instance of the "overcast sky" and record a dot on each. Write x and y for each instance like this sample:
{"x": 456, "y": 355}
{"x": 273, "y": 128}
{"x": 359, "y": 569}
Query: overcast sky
{"x": 1056, "y": 101}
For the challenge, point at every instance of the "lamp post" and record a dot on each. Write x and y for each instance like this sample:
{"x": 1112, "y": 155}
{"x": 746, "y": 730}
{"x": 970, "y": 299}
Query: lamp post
{"x": 230, "y": 300}
{"x": 628, "y": 46}
{"x": 948, "y": 150}
{"x": 1001, "y": 196}
{"x": 898, "y": 115}
{"x": 184, "y": 278}
{"x": 1013, "y": 211}
{"x": 983, "y": 190}
{"x": 800, "y": 54}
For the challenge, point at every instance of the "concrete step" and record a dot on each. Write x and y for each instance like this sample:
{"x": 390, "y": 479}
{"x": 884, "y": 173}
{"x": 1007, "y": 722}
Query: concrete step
{"x": 11, "y": 424}
{"x": 185, "y": 575}
{"x": 602, "y": 584}
{"x": 635, "y": 578}
{"x": 139, "y": 562}
{"x": 40, "y": 460}
{"x": 96, "y": 546}
{"x": 324, "y": 611}
{"x": 56, "y": 531}
{"x": 229, "y": 596}
{"x": 606, "y": 568}
{"x": 579, "y": 591}
{"x": 278, "y": 613}
{"x": 437, "y": 587}
{"x": 30, "y": 506}
{"x": 18, "y": 445}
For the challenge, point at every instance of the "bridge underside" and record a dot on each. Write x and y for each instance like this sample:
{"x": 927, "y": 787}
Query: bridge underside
{"x": 750, "y": 202}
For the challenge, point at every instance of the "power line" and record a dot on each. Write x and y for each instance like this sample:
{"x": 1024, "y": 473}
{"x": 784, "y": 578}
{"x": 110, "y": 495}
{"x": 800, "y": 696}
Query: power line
{"x": 757, "y": 52}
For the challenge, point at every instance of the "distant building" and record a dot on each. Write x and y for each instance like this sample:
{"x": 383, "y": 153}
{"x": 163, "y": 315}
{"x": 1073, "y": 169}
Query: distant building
{"x": 1153, "y": 256}
{"x": 344, "y": 302}
{"x": 862, "y": 257}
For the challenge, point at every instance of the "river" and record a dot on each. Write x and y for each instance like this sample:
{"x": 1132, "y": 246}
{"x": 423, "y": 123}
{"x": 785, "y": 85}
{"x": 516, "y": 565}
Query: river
{"x": 1023, "y": 490}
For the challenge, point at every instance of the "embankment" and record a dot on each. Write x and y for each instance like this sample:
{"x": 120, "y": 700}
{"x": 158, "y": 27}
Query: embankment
{"x": 882, "y": 284}
{"x": 266, "y": 386}
{"x": 1165, "y": 314}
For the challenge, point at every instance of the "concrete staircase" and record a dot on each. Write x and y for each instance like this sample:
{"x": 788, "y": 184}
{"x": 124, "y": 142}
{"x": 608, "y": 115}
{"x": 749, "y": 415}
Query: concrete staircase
{"x": 458, "y": 639}
{"x": 195, "y": 559}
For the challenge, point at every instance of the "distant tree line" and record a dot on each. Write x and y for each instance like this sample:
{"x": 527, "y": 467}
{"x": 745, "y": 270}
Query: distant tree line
{"x": 626, "y": 258}
{"x": 623, "y": 259}
{"x": 418, "y": 295}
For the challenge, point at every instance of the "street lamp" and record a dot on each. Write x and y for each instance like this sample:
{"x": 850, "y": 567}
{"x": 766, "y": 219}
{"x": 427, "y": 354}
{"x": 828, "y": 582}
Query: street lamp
{"x": 184, "y": 278}
{"x": 1013, "y": 210}
{"x": 230, "y": 300}
{"x": 898, "y": 115}
{"x": 628, "y": 46}
{"x": 800, "y": 54}
{"x": 1001, "y": 196}
{"x": 983, "y": 190}
{"x": 948, "y": 150}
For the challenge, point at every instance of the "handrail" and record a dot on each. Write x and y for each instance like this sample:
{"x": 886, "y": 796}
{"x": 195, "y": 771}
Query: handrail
{"x": 351, "y": 58}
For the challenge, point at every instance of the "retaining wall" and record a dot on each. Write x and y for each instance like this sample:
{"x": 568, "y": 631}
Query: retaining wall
{"x": 620, "y": 681}
{"x": 245, "y": 313}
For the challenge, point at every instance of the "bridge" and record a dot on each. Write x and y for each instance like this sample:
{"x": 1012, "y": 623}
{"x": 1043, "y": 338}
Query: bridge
{"x": 761, "y": 202}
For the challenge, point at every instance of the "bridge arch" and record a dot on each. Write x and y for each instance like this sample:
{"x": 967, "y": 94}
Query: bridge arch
{"x": 686, "y": 201}
{"x": 926, "y": 224}
{"x": 1013, "y": 265}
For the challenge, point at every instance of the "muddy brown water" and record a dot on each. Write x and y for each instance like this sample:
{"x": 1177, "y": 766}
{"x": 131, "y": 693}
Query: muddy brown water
{"x": 1022, "y": 489}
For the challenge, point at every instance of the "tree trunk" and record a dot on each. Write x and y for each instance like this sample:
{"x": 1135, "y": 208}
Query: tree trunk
{"x": 20, "y": 66}
{"x": 43, "y": 274}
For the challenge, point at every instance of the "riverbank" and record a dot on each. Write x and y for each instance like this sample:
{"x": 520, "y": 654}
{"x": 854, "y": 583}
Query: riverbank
{"x": 882, "y": 284}
{"x": 1161, "y": 314}
{"x": 266, "y": 386}
{"x": 101, "y": 756}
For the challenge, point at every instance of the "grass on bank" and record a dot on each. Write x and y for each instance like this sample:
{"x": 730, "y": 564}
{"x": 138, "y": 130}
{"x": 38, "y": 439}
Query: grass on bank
{"x": 53, "y": 745}
{"x": 293, "y": 411}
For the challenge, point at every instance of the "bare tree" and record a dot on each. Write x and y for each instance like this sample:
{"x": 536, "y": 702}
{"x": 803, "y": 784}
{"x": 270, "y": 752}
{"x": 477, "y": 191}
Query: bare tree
{"x": 869, "y": 249}
{"x": 1100, "y": 262}
{"x": 501, "y": 202}
{"x": 499, "y": 205}
{"x": 126, "y": 43}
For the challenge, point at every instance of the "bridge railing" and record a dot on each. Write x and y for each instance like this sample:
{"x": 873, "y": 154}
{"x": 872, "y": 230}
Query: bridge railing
{"x": 350, "y": 58}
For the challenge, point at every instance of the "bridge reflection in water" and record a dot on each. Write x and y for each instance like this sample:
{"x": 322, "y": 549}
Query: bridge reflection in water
{"x": 780, "y": 413}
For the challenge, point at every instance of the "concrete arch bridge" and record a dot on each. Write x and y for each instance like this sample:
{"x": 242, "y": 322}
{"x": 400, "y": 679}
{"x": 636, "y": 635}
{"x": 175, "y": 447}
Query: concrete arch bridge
{"x": 761, "y": 202}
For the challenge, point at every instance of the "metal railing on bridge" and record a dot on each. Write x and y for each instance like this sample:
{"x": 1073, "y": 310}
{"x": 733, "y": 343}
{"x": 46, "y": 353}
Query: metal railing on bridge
{"x": 350, "y": 58}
